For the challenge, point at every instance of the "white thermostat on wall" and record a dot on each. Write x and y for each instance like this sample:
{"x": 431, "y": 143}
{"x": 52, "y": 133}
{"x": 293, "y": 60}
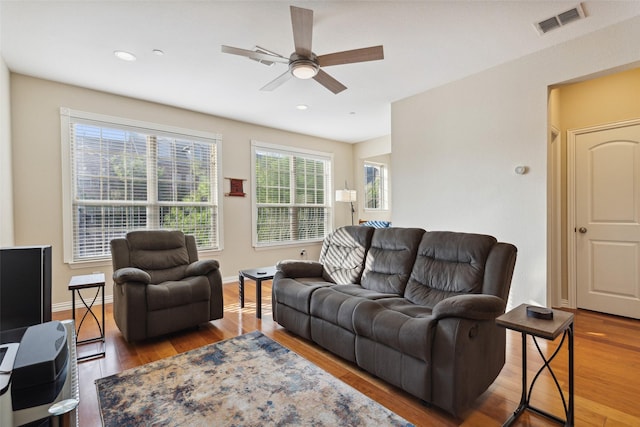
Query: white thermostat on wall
{"x": 521, "y": 170}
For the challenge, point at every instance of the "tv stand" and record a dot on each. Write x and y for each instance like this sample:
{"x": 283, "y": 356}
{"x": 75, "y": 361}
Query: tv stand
{"x": 62, "y": 410}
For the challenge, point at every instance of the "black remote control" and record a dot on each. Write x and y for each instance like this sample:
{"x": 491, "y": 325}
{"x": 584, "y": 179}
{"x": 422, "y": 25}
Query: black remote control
{"x": 539, "y": 312}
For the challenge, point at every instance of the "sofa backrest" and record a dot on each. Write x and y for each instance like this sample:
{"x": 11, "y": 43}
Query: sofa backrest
{"x": 343, "y": 253}
{"x": 163, "y": 254}
{"x": 499, "y": 270}
{"x": 390, "y": 259}
{"x": 447, "y": 264}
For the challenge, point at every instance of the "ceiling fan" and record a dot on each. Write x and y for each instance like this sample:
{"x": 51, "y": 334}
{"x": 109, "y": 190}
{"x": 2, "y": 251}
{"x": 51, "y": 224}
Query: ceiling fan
{"x": 303, "y": 63}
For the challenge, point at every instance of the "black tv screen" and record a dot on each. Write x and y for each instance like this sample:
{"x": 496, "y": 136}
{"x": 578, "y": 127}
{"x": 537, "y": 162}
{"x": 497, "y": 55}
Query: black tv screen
{"x": 25, "y": 286}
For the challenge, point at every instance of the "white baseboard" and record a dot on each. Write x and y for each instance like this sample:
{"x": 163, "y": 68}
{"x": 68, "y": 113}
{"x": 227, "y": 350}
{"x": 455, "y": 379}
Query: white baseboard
{"x": 564, "y": 303}
{"x": 231, "y": 279}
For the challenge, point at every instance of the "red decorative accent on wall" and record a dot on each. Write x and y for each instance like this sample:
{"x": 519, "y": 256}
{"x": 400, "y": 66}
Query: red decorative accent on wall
{"x": 236, "y": 185}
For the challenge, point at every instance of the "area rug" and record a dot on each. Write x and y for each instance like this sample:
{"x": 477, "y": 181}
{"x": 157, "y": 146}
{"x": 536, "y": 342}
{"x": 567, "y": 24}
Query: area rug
{"x": 249, "y": 380}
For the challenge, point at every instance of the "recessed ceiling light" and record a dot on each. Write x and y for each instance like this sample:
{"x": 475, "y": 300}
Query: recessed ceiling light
{"x": 125, "y": 56}
{"x": 158, "y": 52}
{"x": 302, "y": 107}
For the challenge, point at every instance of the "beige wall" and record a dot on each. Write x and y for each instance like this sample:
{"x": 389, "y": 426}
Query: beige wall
{"x": 6, "y": 195}
{"x": 609, "y": 99}
{"x": 37, "y": 172}
{"x": 455, "y": 148}
{"x": 374, "y": 150}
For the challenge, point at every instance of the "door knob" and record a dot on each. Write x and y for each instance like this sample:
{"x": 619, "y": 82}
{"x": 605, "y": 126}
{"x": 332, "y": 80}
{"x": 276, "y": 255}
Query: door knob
{"x": 582, "y": 230}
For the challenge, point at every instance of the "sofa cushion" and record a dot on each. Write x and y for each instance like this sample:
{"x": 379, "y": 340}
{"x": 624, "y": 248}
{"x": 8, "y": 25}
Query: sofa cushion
{"x": 343, "y": 252}
{"x": 390, "y": 259}
{"x": 334, "y": 307}
{"x": 296, "y": 293}
{"x": 359, "y": 291}
{"x": 448, "y": 264}
{"x": 398, "y": 324}
{"x": 177, "y": 293}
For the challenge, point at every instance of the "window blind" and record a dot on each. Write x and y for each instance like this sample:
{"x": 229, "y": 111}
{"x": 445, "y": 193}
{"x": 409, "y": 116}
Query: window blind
{"x": 126, "y": 178}
{"x": 375, "y": 186}
{"x": 292, "y": 195}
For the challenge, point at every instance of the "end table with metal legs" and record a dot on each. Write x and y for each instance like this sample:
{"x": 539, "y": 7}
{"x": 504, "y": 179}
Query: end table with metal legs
{"x": 562, "y": 323}
{"x": 76, "y": 284}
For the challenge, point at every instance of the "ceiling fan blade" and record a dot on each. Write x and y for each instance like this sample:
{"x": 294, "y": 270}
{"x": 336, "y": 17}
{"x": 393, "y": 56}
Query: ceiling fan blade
{"x": 373, "y": 53}
{"x": 329, "y": 82}
{"x": 302, "y": 23}
{"x": 273, "y": 84}
{"x": 254, "y": 55}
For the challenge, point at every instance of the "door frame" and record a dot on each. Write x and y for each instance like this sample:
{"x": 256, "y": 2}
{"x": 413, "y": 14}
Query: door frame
{"x": 572, "y": 284}
{"x": 554, "y": 217}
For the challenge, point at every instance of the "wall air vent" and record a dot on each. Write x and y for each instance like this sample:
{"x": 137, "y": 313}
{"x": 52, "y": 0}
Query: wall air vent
{"x": 560, "y": 20}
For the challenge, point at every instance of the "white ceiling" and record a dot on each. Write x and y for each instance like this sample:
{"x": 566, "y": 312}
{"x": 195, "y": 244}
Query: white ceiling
{"x": 426, "y": 44}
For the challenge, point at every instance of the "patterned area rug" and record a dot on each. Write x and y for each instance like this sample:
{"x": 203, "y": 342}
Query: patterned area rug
{"x": 249, "y": 380}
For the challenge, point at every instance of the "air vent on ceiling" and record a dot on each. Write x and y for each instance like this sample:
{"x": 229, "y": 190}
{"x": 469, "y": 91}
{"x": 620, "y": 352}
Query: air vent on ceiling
{"x": 560, "y": 20}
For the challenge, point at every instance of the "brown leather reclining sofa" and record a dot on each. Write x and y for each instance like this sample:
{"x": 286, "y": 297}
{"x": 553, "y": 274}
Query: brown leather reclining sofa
{"x": 414, "y": 308}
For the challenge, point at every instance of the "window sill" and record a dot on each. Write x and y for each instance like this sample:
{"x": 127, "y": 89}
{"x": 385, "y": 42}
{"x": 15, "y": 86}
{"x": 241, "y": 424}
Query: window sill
{"x": 76, "y": 265}
{"x": 274, "y": 246}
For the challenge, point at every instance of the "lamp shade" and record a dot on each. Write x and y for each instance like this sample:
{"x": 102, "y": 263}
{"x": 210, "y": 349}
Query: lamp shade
{"x": 345, "y": 195}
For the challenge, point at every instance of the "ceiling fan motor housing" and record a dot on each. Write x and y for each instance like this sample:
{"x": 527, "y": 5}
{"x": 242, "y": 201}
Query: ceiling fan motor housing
{"x": 303, "y": 68}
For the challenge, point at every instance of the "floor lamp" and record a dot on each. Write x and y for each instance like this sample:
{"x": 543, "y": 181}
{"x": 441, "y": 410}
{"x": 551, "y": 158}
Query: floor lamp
{"x": 347, "y": 196}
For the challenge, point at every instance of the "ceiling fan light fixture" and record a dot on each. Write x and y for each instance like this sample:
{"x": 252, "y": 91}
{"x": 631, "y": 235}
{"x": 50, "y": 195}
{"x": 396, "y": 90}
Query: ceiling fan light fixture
{"x": 304, "y": 69}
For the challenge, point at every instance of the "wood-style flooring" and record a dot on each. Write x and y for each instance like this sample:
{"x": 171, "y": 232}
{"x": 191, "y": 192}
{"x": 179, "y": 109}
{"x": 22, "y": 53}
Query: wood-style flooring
{"x": 607, "y": 367}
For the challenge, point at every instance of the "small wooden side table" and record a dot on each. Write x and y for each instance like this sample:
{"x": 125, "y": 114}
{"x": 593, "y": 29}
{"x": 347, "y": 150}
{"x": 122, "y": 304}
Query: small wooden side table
{"x": 259, "y": 275}
{"x": 76, "y": 284}
{"x": 562, "y": 323}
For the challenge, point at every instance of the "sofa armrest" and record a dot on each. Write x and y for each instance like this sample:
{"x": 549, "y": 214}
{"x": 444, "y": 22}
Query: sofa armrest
{"x": 292, "y": 268}
{"x": 201, "y": 267}
{"x": 467, "y": 356}
{"x": 131, "y": 274}
{"x": 472, "y": 306}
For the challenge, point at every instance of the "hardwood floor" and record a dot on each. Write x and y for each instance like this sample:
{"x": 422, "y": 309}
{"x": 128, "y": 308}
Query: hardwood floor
{"x": 607, "y": 367}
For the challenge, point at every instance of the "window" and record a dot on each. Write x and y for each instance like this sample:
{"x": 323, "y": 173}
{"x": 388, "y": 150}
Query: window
{"x": 375, "y": 186}
{"x": 123, "y": 175}
{"x": 292, "y": 199}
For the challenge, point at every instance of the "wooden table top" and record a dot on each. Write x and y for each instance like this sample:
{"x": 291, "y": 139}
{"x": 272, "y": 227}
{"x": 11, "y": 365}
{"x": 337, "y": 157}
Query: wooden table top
{"x": 518, "y": 320}
{"x": 261, "y": 273}
{"x": 86, "y": 281}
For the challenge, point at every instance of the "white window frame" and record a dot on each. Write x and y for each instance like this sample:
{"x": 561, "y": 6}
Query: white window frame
{"x": 291, "y": 151}
{"x": 384, "y": 186}
{"x": 68, "y": 117}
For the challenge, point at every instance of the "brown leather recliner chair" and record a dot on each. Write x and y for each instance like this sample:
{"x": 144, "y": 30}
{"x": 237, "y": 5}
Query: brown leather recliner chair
{"x": 160, "y": 286}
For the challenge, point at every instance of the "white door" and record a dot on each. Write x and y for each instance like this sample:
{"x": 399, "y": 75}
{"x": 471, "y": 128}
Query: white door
{"x": 607, "y": 180}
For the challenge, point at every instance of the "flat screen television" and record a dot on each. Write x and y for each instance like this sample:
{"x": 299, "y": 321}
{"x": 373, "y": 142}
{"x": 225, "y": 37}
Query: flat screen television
{"x": 25, "y": 286}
